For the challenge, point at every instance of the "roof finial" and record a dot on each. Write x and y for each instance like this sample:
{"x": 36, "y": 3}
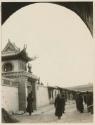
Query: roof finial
{"x": 9, "y": 41}
{"x": 25, "y": 46}
{"x": 29, "y": 68}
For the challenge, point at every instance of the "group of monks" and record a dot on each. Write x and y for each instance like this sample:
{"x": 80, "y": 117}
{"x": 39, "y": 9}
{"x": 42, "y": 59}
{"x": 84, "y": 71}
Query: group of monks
{"x": 81, "y": 99}
{"x": 84, "y": 98}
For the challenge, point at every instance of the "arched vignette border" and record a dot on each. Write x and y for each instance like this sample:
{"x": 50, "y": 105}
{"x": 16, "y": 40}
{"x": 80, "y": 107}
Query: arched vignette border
{"x": 83, "y": 9}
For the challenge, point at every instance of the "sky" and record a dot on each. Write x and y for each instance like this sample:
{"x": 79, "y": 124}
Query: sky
{"x": 60, "y": 40}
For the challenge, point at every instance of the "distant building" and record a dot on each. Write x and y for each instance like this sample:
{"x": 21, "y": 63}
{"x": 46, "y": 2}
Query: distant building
{"x": 82, "y": 88}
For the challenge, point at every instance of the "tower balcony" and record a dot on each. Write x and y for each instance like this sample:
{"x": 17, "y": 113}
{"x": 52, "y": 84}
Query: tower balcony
{"x": 12, "y": 74}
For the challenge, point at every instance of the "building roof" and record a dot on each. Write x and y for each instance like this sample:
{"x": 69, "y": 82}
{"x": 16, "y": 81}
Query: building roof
{"x": 12, "y": 52}
{"x": 82, "y": 88}
{"x": 10, "y": 48}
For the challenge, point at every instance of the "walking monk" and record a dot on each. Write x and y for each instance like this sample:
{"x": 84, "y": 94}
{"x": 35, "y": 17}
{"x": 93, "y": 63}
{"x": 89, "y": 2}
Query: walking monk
{"x": 59, "y": 106}
{"x": 30, "y": 103}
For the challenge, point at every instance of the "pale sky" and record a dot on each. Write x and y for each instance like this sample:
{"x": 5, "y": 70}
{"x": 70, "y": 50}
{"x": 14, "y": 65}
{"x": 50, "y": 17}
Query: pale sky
{"x": 59, "y": 38}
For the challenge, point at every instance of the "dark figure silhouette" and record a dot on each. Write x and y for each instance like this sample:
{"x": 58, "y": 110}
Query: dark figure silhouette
{"x": 30, "y": 103}
{"x": 90, "y": 102}
{"x": 79, "y": 103}
{"x": 59, "y": 106}
{"x": 63, "y": 101}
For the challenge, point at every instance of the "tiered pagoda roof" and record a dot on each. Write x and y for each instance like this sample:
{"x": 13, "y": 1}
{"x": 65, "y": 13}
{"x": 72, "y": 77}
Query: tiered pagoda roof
{"x": 12, "y": 52}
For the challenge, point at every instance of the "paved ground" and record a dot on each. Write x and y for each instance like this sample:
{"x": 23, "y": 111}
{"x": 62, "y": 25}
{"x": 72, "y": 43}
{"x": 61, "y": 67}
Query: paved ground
{"x": 46, "y": 115}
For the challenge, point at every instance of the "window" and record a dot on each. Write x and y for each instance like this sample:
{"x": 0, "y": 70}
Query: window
{"x": 7, "y": 67}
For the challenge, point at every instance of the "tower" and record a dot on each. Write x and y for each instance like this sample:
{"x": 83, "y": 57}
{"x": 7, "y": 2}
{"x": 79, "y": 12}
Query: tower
{"x": 14, "y": 66}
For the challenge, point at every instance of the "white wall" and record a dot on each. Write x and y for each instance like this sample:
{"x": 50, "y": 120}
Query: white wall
{"x": 55, "y": 93}
{"x": 10, "y": 98}
{"x": 42, "y": 97}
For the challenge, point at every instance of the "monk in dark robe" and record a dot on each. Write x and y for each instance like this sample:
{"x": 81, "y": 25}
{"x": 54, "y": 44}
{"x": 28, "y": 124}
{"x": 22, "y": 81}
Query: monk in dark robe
{"x": 79, "y": 103}
{"x": 59, "y": 106}
{"x": 29, "y": 108}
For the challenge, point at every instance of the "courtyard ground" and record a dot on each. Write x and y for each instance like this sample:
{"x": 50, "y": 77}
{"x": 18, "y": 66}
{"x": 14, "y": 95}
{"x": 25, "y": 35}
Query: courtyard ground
{"x": 46, "y": 115}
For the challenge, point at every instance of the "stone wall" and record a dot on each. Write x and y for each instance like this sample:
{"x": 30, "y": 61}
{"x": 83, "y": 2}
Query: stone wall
{"x": 10, "y": 98}
{"x": 42, "y": 96}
